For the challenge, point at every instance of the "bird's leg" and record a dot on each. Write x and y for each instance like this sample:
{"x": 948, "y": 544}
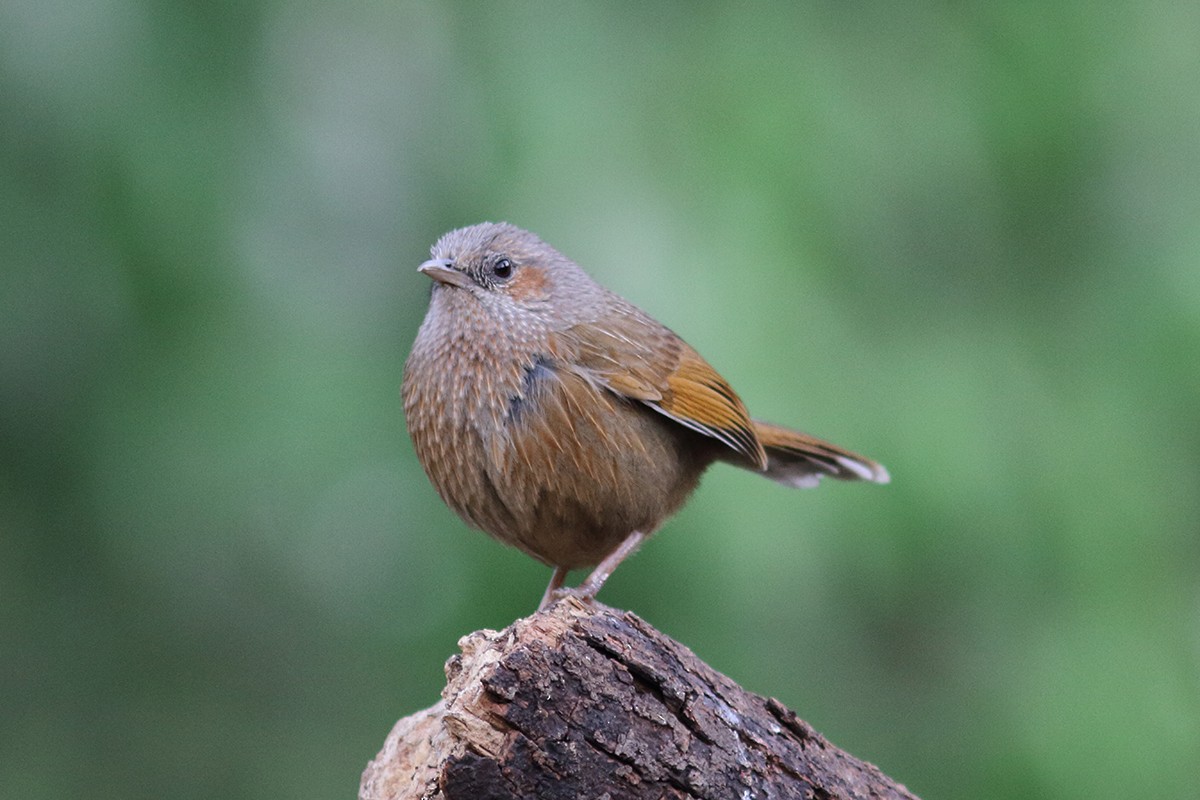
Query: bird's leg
{"x": 587, "y": 590}
{"x": 592, "y": 583}
{"x": 556, "y": 582}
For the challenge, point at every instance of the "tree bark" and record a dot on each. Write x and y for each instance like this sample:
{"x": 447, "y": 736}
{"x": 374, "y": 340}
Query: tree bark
{"x": 583, "y": 701}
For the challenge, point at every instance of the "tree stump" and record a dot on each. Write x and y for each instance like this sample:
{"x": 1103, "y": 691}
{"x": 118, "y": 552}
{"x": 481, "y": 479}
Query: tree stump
{"x": 583, "y": 701}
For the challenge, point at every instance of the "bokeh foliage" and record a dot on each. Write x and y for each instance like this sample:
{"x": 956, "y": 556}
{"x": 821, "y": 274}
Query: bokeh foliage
{"x": 963, "y": 238}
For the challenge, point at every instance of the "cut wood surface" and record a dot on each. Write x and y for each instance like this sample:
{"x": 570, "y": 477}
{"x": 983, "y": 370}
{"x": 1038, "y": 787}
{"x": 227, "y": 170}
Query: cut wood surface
{"x": 584, "y": 701}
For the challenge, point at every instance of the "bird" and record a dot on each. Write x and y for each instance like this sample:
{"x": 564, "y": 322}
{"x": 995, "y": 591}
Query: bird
{"x": 561, "y": 419}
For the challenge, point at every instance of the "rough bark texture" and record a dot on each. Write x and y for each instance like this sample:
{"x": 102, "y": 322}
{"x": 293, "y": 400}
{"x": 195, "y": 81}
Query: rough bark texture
{"x": 582, "y": 701}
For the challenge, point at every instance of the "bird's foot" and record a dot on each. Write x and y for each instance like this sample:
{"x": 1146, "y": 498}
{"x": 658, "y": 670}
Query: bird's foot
{"x": 580, "y": 593}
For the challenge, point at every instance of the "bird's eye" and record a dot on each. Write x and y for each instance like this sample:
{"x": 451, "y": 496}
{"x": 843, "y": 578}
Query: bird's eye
{"x": 502, "y": 269}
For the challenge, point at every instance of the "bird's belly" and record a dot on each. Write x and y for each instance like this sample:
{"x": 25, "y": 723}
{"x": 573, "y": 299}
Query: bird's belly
{"x": 585, "y": 490}
{"x": 545, "y": 460}
{"x": 579, "y": 469}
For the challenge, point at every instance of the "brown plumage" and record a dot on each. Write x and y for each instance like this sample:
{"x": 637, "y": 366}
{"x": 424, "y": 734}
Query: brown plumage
{"x": 565, "y": 421}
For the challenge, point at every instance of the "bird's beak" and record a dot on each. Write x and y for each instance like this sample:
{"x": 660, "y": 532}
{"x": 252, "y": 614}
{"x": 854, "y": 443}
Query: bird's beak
{"x": 442, "y": 271}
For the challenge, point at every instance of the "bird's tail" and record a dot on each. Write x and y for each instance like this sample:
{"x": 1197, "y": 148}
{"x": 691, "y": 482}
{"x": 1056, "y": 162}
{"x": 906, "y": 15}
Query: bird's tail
{"x": 799, "y": 460}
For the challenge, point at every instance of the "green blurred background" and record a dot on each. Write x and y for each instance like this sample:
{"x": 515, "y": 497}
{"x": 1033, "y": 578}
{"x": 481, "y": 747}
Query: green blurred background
{"x": 961, "y": 238}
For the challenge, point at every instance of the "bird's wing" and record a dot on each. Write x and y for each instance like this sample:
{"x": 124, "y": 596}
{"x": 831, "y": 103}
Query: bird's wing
{"x": 632, "y": 355}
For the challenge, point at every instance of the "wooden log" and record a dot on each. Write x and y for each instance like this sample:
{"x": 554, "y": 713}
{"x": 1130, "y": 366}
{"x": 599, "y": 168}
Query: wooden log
{"x": 584, "y": 701}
